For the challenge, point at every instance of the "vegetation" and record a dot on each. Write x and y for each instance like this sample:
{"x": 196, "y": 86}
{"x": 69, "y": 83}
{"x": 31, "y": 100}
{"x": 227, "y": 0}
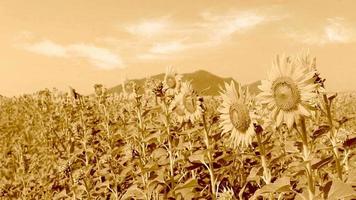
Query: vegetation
{"x": 291, "y": 141}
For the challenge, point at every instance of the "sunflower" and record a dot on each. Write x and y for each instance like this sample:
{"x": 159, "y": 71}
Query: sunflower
{"x": 289, "y": 91}
{"x": 226, "y": 194}
{"x": 186, "y": 105}
{"x": 172, "y": 81}
{"x": 236, "y": 115}
{"x": 129, "y": 89}
{"x": 305, "y": 60}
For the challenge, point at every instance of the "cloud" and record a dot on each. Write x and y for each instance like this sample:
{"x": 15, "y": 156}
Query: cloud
{"x": 167, "y": 48}
{"x": 163, "y": 50}
{"x": 217, "y": 26}
{"x": 151, "y": 56}
{"x": 209, "y": 30}
{"x": 335, "y": 31}
{"x": 225, "y": 25}
{"x": 48, "y": 48}
{"x": 100, "y": 57}
{"x": 162, "y": 37}
{"x": 148, "y": 27}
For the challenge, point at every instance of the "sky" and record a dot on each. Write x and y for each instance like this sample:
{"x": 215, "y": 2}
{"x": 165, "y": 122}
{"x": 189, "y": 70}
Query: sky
{"x": 77, "y": 43}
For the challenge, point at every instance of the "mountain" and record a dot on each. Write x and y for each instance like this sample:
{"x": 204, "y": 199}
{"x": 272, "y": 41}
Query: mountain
{"x": 202, "y": 81}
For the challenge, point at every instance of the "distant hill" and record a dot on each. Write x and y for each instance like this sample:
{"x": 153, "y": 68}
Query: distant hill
{"x": 202, "y": 81}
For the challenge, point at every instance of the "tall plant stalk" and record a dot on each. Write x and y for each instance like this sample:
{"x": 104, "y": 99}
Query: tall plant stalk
{"x": 266, "y": 170}
{"x": 332, "y": 137}
{"x": 170, "y": 147}
{"x": 210, "y": 165}
{"x": 306, "y": 158}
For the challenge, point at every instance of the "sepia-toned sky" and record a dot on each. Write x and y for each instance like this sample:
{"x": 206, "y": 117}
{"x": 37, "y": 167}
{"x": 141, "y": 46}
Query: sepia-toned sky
{"x": 61, "y": 43}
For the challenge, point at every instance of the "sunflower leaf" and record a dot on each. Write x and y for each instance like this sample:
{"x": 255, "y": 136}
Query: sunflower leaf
{"x": 322, "y": 163}
{"x": 280, "y": 185}
{"x": 332, "y": 97}
{"x": 340, "y": 190}
{"x": 198, "y": 157}
{"x": 320, "y": 131}
{"x": 349, "y": 143}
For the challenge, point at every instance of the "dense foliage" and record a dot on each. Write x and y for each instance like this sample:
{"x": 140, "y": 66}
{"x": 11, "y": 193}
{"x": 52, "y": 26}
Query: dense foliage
{"x": 57, "y": 145}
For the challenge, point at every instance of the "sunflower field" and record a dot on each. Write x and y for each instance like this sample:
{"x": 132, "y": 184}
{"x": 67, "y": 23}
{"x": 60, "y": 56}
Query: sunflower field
{"x": 293, "y": 140}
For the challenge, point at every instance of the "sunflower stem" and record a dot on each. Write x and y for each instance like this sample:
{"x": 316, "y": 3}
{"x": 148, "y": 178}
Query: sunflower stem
{"x": 306, "y": 159}
{"x": 333, "y": 137}
{"x": 210, "y": 158}
{"x": 141, "y": 144}
{"x": 266, "y": 171}
{"x": 170, "y": 148}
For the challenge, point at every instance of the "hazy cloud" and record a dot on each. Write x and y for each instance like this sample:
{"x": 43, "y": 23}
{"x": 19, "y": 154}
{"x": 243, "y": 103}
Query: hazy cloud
{"x": 151, "y": 56}
{"x": 168, "y": 47}
{"x": 47, "y": 47}
{"x": 210, "y": 29}
{"x": 335, "y": 30}
{"x": 163, "y": 50}
{"x": 223, "y": 26}
{"x": 148, "y": 27}
{"x": 100, "y": 57}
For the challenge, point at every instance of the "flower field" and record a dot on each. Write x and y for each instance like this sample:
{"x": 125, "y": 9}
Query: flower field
{"x": 293, "y": 140}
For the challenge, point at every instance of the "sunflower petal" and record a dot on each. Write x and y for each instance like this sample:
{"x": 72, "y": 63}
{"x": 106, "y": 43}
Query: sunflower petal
{"x": 303, "y": 111}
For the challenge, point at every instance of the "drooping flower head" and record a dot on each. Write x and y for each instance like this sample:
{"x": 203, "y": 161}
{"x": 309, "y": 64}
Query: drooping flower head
{"x": 236, "y": 115}
{"x": 129, "y": 89}
{"x": 172, "y": 81}
{"x": 305, "y": 60}
{"x": 186, "y": 105}
{"x": 99, "y": 90}
{"x": 289, "y": 91}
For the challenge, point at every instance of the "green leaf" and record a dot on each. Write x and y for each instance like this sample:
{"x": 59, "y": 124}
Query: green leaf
{"x": 322, "y": 163}
{"x": 320, "y": 131}
{"x": 340, "y": 190}
{"x": 350, "y": 143}
{"x": 133, "y": 192}
{"x": 302, "y": 196}
{"x": 290, "y": 148}
{"x": 332, "y": 97}
{"x": 280, "y": 185}
{"x": 351, "y": 178}
{"x": 60, "y": 195}
{"x": 153, "y": 136}
{"x": 198, "y": 157}
{"x": 185, "y": 190}
{"x": 326, "y": 188}
{"x": 159, "y": 153}
{"x": 253, "y": 174}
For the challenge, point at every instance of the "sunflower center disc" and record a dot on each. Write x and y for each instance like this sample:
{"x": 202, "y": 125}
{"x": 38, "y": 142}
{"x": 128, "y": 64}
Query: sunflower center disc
{"x": 171, "y": 82}
{"x": 286, "y": 93}
{"x": 239, "y": 116}
{"x": 190, "y": 103}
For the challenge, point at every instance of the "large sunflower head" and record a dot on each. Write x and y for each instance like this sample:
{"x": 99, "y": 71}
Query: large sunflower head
{"x": 172, "y": 81}
{"x": 187, "y": 106}
{"x": 236, "y": 115}
{"x": 289, "y": 90}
